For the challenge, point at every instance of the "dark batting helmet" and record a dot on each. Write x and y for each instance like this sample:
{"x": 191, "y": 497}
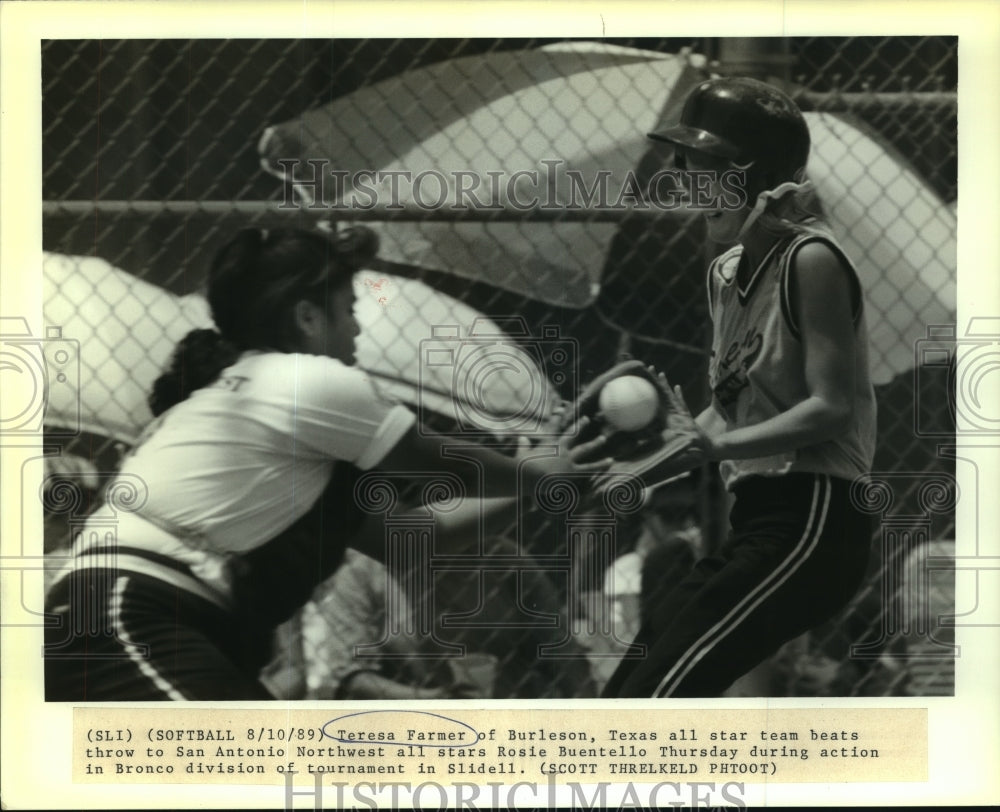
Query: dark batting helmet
{"x": 748, "y": 122}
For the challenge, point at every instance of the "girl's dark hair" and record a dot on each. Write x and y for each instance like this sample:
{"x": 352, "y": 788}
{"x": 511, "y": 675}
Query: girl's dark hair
{"x": 197, "y": 360}
{"x": 253, "y": 284}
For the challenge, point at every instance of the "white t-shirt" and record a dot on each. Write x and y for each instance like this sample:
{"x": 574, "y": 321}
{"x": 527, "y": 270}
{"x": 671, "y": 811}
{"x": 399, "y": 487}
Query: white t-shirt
{"x": 242, "y": 459}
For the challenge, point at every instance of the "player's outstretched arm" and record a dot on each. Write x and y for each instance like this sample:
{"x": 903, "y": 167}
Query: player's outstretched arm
{"x": 502, "y": 476}
{"x": 478, "y": 516}
{"x": 456, "y": 531}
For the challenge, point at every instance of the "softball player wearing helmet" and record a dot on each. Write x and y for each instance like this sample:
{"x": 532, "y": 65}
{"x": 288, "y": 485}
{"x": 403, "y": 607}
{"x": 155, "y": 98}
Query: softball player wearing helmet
{"x": 792, "y": 417}
{"x": 262, "y": 430}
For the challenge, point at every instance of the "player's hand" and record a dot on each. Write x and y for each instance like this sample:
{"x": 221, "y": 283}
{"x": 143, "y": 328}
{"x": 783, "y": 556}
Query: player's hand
{"x": 575, "y": 454}
{"x": 584, "y": 455}
{"x": 679, "y": 419}
{"x": 556, "y": 419}
{"x": 551, "y": 426}
{"x": 675, "y": 446}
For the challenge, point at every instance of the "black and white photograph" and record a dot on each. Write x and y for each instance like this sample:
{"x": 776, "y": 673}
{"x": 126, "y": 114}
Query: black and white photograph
{"x": 386, "y": 373}
{"x": 381, "y": 343}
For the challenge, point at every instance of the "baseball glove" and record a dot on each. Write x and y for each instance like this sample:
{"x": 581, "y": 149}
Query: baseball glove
{"x": 668, "y": 447}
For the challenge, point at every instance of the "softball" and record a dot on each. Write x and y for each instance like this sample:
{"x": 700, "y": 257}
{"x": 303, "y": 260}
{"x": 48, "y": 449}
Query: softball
{"x": 629, "y": 403}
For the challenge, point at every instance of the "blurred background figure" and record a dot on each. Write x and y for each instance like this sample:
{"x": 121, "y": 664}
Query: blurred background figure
{"x": 513, "y": 615}
{"x": 322, "y": 650}
{"x": 666, "y": 548}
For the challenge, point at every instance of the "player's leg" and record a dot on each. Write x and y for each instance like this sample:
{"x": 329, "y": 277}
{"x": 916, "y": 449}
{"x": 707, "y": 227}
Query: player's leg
{"x": 787, "y": 569}
{"x": 658, "y": 617}
{"x": 149, "y": 640}
{"x": 813, "y": 595}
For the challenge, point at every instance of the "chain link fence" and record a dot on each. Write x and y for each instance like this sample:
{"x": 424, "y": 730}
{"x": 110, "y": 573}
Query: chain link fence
{"x": 154, "y": 152}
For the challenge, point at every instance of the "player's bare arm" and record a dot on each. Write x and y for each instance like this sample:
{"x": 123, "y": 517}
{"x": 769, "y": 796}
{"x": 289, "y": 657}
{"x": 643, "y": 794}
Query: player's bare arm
{"x": 822, "y": 303}
{"x": 711, "y": 422}
{"x": 502, "y": 476}
{"x": 456, "y": 531}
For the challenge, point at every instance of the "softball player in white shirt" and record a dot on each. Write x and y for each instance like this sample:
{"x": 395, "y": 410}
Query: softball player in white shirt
{"x": 261, "y": 431}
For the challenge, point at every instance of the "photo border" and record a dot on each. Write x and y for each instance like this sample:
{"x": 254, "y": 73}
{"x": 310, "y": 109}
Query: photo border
{"x": 36, "y": 756}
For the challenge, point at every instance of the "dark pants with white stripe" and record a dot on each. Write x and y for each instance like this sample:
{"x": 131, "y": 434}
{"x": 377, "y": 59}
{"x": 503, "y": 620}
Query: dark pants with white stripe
{"x": 123, "y": 636}
{"x": 118, "y": 634}
{"x": 797, "y": 552}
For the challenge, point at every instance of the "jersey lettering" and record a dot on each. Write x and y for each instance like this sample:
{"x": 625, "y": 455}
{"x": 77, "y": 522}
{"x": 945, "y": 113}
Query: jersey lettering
{"x": 732, "y": 371}
{"x": 231, "y": 383}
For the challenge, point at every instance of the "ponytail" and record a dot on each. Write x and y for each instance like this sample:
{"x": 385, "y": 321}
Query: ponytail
{"x": 197, "y": 361}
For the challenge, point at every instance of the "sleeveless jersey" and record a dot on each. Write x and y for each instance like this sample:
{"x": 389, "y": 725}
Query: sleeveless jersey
{"x": 757, "y": 369}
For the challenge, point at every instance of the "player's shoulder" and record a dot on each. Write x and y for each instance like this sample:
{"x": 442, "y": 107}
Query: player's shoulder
{"x": 812, "y": 231}
{"x": 283, "y": 364}
{"x": 322, "y": 381}
{"x": 299, "y": 373}
{"x": 816, "y": 267}
{"x": 814, "y": 246}
{"x": 815, "y": 256}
